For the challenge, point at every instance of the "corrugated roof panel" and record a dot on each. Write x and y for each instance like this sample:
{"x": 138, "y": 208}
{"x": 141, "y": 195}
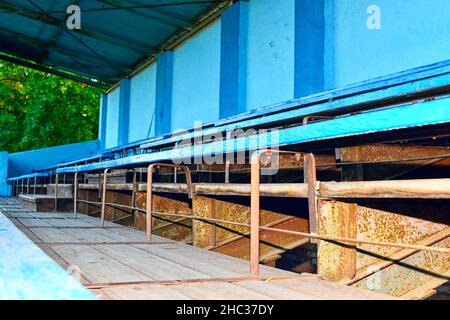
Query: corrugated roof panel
{"x": 115, "y": 35}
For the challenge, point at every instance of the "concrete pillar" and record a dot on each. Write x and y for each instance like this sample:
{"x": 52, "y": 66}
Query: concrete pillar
{"x": 164, "y": 84}
{"x": 124, "y": 112}
{"x": 102, "y": 121}
{"x": 4, "y": 187}
{"x": 309, "y": 47}
{"x": 233, "y": 60}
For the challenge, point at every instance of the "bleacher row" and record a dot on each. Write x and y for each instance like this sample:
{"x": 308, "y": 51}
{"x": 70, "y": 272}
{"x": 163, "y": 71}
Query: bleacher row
{"x": 385, "y": 105}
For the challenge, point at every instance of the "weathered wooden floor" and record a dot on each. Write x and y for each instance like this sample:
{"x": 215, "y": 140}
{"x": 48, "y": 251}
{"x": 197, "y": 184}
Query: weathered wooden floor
{"x": 116, "y": 262}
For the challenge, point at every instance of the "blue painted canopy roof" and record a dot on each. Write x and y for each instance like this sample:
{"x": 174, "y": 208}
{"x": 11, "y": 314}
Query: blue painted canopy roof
{"x": 115, "y": 35}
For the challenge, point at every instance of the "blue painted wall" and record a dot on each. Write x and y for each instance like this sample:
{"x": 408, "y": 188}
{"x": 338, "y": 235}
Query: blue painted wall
{"x": 270, "y": 58}
{"x": 25, "y": 162}
{"x": 142, "y": 105}
{"x": 196, "y": 79}
{"x": 413, "y": 33}
{"x": 262, "y": 52}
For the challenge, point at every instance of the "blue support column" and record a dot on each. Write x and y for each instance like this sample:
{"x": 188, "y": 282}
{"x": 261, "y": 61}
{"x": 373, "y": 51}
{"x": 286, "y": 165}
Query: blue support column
{"x": 102, "y": 121}
{"x": 164, "y": 84}
{"x": 233, "y": 60}
{"x": 309, "y": 47}
{"x": 124, "y": 112}
{"x": 4, "y": 187}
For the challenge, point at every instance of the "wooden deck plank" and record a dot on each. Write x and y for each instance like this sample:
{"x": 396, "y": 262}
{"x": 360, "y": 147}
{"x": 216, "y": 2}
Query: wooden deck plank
{"x": 201, "y": 264}
{"x": 97, "y": 235}
{"x": 60, "y": 223}
{"x": 97, "y": 267}
{"x": 230, "y": 263}
{"x": 153, "y": 266}
{"x": 52, "y": 235}
{"x": 26, "y": 231}
{"x": 18, "y": 214}
{"x": 275, "y": 291}
{"x": 34, "y": 222}
{"x": 329, "y": 290}
{"x": 219, "y": 291}
{"x": 110, "y": 235}
{"x": 93, "y": 221}
{"x": 137, "y": 293}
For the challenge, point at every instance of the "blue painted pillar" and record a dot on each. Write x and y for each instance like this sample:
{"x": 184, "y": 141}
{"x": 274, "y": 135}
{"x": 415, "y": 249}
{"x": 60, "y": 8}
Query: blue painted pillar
{"x": 164, "y": 85}
{"x": 102, "y": 121}
{"x": 233, "y": 60}
{"x": 124, "y": 112}
{"x": 4, "y": 187}
{"x": 309, "y": 47}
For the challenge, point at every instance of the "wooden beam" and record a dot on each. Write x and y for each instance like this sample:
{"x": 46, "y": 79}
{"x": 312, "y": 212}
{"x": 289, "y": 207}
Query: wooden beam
{"x": 406, "y": 189}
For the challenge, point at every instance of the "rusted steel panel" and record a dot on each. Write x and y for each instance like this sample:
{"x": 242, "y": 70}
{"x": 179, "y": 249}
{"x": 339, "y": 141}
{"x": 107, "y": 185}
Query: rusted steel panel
{"x": 336, "y": 262}
{"x": 204, "y": 234}
{"x": 400, "y": 222}
{"x": 237, "y": 243}
{"x": 179, "y": 232}
{"x": 91, "y": 209}
{"x": 285, "y": 161}
{"x": 413, "y": 272}
{"x": 117, "y": 198}
{"x": 226, "y": 210}
{"x": 272, "y": 243}
{"x": 381, "y": 152}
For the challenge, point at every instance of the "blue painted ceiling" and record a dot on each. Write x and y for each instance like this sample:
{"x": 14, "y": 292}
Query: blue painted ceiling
{"x": 115, "y": 36}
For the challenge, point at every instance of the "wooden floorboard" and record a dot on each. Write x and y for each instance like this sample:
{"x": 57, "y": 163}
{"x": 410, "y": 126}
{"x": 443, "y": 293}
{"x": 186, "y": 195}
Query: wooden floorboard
{"x": 117, "y": 262}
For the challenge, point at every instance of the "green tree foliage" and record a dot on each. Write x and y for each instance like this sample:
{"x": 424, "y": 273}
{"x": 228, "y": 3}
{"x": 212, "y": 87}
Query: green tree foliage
{"x": 39, "y": 110}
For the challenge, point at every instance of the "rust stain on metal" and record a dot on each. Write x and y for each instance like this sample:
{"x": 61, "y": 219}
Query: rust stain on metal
{"x": 335, "y": 261}
{"x": 381, "y": 152}
{"x": 414, "y": 272}
{"x": 175, "y": 231}
{"x": 236, "y": 242}
{"x": 272, "y": 243}
{"x": 384, "y": 225}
